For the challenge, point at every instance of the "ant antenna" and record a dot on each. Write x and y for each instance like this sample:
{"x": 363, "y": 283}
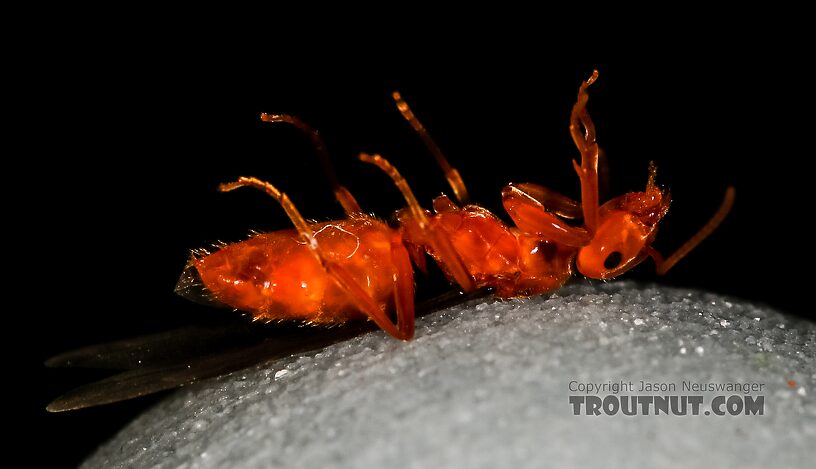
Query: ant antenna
{"x": 663, "y": 266}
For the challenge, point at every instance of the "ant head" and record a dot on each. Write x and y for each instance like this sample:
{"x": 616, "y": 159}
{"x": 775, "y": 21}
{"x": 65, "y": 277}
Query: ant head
{"x": 627, "y": 226}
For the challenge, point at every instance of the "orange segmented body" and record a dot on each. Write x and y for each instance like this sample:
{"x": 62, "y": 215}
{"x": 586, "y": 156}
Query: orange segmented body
{"x": 494, "y": 254}
{"x": 275, "y": 276}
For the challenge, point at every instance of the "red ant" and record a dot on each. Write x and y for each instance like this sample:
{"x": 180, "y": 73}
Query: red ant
{"x": 537, "y": 256}
{"x": 331, "y": 272}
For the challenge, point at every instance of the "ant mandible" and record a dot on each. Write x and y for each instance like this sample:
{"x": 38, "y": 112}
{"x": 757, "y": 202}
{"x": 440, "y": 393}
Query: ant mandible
{"x": 537, "y": 256}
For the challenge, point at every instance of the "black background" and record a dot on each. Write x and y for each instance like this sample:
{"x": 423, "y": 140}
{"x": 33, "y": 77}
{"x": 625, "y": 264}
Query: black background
{"x": 131, "y": 131}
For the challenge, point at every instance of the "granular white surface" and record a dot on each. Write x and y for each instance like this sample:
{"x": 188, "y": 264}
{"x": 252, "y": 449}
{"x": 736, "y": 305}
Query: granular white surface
{"x": 485, "y": 384}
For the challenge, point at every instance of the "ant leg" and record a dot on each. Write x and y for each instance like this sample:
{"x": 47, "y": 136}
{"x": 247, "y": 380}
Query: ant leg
{"x": 529, "y": 207}
{"x": 439, "y": 243}
{"x": 403, "y": 288}
{"x": 303, "y": 228}
{"x": 663, "y": 265}
{"x": 342, "y": 194}
{"x": 405, "y": 321}
{"x": 556, "y": 203}
{"x": 585, "y": 141}
{"x": 451, "y": 174}
{"x": 417, "y": 254}
{"x": 404, "y": 329}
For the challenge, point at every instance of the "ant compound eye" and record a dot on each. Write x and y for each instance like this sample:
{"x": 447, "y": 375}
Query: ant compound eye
{"x": 613, "y": 260}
